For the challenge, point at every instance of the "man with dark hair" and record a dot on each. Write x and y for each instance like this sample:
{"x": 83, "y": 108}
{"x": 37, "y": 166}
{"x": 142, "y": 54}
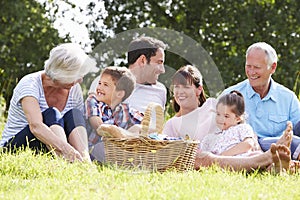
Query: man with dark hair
{"x": 146, "y": 61}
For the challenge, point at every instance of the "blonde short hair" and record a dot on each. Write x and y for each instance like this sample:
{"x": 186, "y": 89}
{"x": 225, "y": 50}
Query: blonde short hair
{"x": 68, "y": 62}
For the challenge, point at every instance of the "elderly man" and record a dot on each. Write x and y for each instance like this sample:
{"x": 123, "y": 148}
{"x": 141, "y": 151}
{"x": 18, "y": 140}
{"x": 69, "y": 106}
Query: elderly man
{"x": 269, "y": 105}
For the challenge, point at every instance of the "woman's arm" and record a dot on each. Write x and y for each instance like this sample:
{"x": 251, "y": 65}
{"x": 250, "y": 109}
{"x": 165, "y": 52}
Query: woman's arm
{"x": 242, "y": 147}
{"x": 34, "y": 117}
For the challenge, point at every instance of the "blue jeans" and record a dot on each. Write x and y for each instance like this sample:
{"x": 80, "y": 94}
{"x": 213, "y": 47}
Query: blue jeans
{"x": 72, "y": 119}
{"x": 297, "y": 129}
{"x": 265, "y": 144}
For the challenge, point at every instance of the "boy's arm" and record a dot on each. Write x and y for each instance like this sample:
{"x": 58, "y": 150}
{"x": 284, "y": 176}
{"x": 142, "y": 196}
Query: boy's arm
{"x": 242, "y": 147}
{"x": 95, "y": 122}
{"x": 94, "y": 111}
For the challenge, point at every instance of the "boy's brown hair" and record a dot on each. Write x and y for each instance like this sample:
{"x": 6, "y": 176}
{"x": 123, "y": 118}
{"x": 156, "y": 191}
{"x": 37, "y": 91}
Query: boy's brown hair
{"x": 123, "y": 79}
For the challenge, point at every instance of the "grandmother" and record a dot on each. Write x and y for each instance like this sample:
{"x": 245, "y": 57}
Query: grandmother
{"x": 46, "y": 109}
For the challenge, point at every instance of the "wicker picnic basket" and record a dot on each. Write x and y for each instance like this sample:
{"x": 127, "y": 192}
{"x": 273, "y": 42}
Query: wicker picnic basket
{"x": 144, "y": 153}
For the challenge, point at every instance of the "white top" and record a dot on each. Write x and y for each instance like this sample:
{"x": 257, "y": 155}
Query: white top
{"x": 142, "y": 95}
{"x": 195, "y": 124}
{"x": 31, "y": 85}
{"x": 221, "y": 141}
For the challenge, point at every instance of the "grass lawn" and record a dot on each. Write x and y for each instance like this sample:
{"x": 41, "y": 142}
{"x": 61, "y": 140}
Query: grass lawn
{"x": 26, "y": 176}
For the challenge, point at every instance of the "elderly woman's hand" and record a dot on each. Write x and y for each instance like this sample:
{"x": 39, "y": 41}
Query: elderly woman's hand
{"x": 71, "y": 155}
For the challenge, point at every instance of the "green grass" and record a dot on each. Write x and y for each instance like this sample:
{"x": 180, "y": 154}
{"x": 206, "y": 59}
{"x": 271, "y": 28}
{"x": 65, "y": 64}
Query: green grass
{"x": 25, "y": 176}
{"x": 28, "y": 176}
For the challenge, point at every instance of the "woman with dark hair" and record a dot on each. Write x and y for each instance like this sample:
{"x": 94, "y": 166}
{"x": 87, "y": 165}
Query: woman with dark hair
{"x": 191, "y": 106}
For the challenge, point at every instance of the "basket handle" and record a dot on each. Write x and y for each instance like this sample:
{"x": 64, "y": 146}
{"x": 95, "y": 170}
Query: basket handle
{"x": 159, "y": 114}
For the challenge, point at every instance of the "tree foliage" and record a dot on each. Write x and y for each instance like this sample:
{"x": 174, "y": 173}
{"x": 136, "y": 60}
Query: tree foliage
{"x": 224, "y": 28}
{"x": 26, "y": 37}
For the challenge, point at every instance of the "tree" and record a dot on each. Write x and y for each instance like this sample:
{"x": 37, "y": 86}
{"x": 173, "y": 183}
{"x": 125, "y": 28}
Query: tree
{"x": 225, "y": 28}
{"x": 26, "y": 37}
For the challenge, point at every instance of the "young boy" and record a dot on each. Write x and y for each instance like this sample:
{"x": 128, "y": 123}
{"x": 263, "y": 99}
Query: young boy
{"x": 106, "y": 105}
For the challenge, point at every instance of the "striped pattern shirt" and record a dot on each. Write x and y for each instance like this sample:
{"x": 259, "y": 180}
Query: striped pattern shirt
{"x": 31, "y": 85}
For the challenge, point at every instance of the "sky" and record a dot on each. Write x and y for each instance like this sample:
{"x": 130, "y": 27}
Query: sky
{"x": 77, "y": 30}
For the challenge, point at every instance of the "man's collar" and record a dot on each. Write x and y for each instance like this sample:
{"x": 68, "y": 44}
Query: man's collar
{"x": 270, "y": 94}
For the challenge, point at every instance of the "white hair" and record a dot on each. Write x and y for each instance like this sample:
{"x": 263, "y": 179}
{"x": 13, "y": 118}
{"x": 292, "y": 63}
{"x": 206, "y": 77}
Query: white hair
{"x": 68, "y": 63}
{"x": 271, "y": 54}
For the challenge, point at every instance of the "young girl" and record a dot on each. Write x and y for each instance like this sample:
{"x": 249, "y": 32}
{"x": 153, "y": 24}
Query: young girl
{"x": 234, "y": 137}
